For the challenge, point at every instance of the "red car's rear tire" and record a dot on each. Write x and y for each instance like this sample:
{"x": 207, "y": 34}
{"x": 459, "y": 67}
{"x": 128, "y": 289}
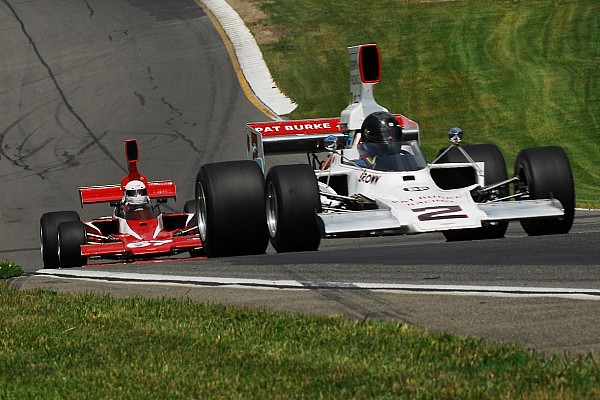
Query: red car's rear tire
{"x": 71, "y": 235}
{"x": 49, "y": 235}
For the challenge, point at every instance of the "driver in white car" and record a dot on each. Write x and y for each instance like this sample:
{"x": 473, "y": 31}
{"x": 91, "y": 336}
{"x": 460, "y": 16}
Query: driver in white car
{"x": 381, "y": 146}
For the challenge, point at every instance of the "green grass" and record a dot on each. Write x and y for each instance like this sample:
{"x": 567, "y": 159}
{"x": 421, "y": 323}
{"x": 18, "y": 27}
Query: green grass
{"x": 9, "y": 270}
{"x": 93, "y": 346}
{"x": 514, "y": 73}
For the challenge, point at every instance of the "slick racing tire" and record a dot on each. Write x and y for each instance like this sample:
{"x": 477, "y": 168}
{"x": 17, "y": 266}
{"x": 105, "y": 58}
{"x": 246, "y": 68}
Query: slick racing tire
{"x": 544, "y": 173}
{"x": 230, "y": 207}
{"x": 494, "y": 171}
{"x": 49, "y": 235}
{"x": 71, "y": 235}
{"x": 293, "y": 200}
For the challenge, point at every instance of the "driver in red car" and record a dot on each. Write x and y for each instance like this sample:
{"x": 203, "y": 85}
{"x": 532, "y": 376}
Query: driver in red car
{"x": 136, "y": 202}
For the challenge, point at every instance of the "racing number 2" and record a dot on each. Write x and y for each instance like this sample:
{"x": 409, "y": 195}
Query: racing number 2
{"x": 439, "y": 212}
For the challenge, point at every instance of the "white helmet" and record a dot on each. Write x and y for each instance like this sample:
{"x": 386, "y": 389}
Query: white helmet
{"x": 136, "y": 193}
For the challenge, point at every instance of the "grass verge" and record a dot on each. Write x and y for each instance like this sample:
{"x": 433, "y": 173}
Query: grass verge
{"x": 9, "y": 270}
{"x": 93, "y": 346}
{"x": 515, "y": 73}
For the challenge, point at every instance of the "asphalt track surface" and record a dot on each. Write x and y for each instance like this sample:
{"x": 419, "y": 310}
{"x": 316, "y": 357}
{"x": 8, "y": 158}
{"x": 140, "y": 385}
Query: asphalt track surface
{"x": 79, "y": 77}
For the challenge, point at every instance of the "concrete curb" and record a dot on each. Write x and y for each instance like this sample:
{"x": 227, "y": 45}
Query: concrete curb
{"x": 250, "y": 58}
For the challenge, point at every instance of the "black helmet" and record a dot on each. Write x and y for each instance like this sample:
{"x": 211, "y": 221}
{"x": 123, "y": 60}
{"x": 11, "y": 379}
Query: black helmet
{"x": 381, "y": 127}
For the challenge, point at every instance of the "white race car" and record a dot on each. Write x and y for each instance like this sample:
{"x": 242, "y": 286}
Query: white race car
{"x": 366, "y": 175}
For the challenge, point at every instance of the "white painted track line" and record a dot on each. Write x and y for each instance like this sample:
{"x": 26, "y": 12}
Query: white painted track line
{"x": 578, "y": 293}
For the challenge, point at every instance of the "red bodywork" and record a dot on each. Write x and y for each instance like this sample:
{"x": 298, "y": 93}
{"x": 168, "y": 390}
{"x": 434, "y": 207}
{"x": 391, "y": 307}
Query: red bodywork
{"x": 149, "y": 234}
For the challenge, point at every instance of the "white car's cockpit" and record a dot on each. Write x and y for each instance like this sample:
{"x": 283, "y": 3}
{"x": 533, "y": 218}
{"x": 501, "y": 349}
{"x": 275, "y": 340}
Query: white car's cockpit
{"x": 390, "y": 156}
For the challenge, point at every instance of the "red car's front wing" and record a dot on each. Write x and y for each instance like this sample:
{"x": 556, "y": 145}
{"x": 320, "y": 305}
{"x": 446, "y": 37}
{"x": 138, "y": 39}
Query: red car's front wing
{"x": 142, "y": 248}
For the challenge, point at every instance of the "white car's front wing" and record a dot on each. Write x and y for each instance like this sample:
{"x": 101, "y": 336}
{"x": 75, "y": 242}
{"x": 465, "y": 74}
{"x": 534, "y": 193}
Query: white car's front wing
{"x": 359, "y": 222}
{"x": 384, "y": 221}
{"x": 523, "y": 209}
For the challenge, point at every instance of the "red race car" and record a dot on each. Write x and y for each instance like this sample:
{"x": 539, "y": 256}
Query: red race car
{"x": 136, "y": 230}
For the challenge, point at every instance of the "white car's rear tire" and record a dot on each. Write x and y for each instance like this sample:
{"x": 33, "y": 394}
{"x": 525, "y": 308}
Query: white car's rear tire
{"x": 495, "y": 171}
{"x": 292, "y": 201}
{"x": 230, "y": 207}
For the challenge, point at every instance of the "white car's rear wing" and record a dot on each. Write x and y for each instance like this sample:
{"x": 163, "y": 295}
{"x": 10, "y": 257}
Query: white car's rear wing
{"x": 294, "y": 136}
{"x": 280, "y": 137}
{"x": 307, "y": 136}
{"x": 304, "y": 136}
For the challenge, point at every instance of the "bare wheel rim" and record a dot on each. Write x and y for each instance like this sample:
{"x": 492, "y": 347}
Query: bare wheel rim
{"x": 272, "y": 209}
{"x": 58, "y": 248}
{"x": 201, "y": 211}
{"x": 42, "y": 241}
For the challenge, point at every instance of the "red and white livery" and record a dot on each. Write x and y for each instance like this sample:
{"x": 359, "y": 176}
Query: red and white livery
{"x": 137, "y": 228}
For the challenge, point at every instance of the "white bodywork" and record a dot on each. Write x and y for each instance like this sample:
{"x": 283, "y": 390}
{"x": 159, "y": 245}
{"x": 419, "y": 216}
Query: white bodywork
{"x": 402, "y": 201}
{"x": 410, "y": 202}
